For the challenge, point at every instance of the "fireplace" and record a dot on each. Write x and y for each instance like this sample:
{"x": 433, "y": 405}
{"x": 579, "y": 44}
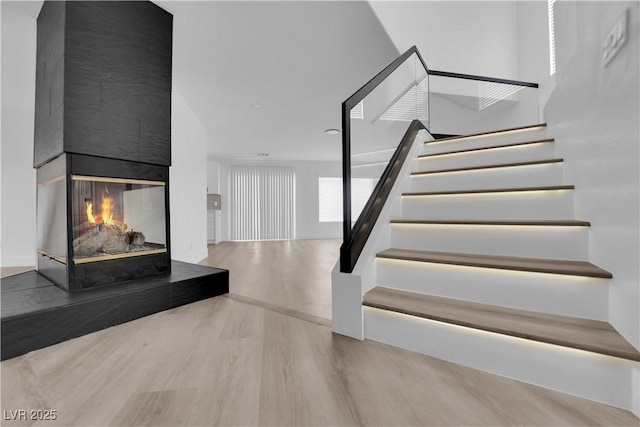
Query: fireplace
{"x": 102, "y": 152}
{"x": 102, "y": 143}
{"x": 108, "y": 214}
{"x": 101, "y": 221}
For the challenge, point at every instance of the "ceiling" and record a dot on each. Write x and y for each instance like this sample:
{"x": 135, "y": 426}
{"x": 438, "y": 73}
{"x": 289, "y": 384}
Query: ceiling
{"x": 298, "y": 59}
{"x": 301, "y": 59}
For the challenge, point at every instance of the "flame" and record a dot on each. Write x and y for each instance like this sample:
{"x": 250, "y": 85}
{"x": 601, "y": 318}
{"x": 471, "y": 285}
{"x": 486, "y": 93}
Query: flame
{"x": 90, "y": 217}
{"x": 106, "y": 214}
{"x": 107, "y": 210}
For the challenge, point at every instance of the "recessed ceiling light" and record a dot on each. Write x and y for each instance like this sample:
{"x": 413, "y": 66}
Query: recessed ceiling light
{"x": 332, "y": 132}
{"x": 257, "y": 105}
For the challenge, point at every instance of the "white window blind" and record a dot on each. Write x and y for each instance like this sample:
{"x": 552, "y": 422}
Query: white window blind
{"x": 330, "y": 197}
{"x": 262, "y": 202}
{"x": 552, "y": 39}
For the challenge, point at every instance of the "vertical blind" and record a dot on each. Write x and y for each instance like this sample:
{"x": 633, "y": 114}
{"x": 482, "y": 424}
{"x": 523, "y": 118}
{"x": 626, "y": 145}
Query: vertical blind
{"x": 552, "y": 38}
{"x": 262, "y": 202}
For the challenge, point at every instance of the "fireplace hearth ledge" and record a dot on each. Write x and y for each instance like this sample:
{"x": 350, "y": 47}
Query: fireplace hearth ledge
{"x": 36, "y": 313}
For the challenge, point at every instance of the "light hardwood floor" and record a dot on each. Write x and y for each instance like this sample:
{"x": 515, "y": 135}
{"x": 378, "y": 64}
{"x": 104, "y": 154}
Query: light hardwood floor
{"x": 12, "y": 271}
{"x": 295, "y": 274}
{"x": 234, "y": 360}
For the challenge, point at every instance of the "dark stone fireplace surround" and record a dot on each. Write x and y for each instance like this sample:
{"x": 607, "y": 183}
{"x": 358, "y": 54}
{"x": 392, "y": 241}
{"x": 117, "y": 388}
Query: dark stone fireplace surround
{"x": 103, "y": 104}
{"x": 103, "y": 109}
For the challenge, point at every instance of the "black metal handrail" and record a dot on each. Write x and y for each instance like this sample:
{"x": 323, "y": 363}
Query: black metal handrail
{"x": 481, "y": 78}
{"x": 347, "y": 105}
{"x": 355, "y": 238}
{"x": 351, "y": 249}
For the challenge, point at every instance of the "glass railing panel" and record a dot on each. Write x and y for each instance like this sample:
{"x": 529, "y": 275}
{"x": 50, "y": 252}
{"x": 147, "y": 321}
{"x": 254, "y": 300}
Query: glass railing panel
{"x": 399, "y": 101}
{"x": 464, "y": 106}
{"x": 378, "y": 123}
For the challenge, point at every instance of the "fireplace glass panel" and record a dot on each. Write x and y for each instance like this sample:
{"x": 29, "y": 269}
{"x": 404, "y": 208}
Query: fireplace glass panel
{"x": 51, "y": 210}
{"x": 52, "y": 219}
{"x": 117, "y": 218}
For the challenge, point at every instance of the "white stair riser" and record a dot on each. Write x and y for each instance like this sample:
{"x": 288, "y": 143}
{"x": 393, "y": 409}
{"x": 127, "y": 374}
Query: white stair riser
{"x": 513, "y": 205}
{"x": 597, "y": 377}
{"x": 585, "y": 297}
{"x": 522, "y": 153}
{"x": 524, "y": 241}
{"x": 485, "y": 141}
{"x": 520, "y": 176}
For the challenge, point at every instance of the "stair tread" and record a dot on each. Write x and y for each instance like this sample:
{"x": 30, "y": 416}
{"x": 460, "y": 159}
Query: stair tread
{"x": 585, "y": 334}
{"x": 532, "y": 222}
{"x": 491, "y": 147}
{"x": 493, "y": 166}
{"x": 472, "y": 135}
{"x": 490, "y": 190}
{"x": 537, "y": 265}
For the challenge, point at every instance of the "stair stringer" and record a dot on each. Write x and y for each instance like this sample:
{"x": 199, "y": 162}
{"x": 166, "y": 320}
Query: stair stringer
{"x": 348, "y": 289}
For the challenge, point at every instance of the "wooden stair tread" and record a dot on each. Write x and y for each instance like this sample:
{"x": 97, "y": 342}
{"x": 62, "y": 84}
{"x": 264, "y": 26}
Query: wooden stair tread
{"x": 531, "y": 222}
{"x": 585, "y": 334}
{"x": 536, "y": 265}
{"x": 496, "y": 132}
{"x": 494, "y": 166}
{"x": 492, "y": 147}
{"x": 491, "y": 190}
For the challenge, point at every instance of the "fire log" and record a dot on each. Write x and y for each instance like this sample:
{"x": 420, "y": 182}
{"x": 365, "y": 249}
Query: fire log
{"x": 135, "y": 238}
{"x": 109, "y": 239}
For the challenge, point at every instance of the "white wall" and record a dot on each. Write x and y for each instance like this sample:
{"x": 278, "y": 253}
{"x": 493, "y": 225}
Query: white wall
{"x": 18, "y": 206}
{"x": 594, "y": 116}
{"x": 533, "y": 48}
{"x": 213, "y": 177}
{"x": 213, "y": 187}
{"x": 187, "y": 183}
{"x": 308, "y": 225}
{"x": 307, "y": 206}
{"x": 472, "y": 37}
{"x": 503, "y": 39}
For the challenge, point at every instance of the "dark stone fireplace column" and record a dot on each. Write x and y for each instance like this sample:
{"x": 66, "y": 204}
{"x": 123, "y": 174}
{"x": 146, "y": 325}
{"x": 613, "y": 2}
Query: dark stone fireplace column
{"x": 102, "y": 132}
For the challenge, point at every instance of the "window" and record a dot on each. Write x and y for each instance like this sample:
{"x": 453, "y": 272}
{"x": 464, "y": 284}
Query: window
{"x": 330, "y": 197}
{"x": 357, "y": 112}
{"x": 552, "y": 39}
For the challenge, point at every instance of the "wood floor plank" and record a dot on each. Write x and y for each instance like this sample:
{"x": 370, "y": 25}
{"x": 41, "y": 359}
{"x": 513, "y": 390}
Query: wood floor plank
{"x": 243, "y": 360}
{"x": 309, "y": 376}
{"x": 12, "y": 271}
{"x": 155, "y": 408}
{"x": 583, "y": 334}
{"x": 484, "y": 167}
{"x": 489, "y": 190}
{"x": 282, "y": 310}
{"x": 229, "y": 389}
{"x": 495, "y": 132}
{"x": 524, "y": 222}
{"x": 311, "y": 387}
{"x": 490, "y": 147}
{"x": 536, "y": 265}
{"x": 256, "y": 271}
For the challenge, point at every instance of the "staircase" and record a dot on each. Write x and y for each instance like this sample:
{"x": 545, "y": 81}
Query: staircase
{"x": 487, "y": 267}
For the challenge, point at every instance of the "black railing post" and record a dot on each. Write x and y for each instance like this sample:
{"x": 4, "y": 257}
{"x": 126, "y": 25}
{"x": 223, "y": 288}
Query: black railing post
{"x": 346, "y": 182}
